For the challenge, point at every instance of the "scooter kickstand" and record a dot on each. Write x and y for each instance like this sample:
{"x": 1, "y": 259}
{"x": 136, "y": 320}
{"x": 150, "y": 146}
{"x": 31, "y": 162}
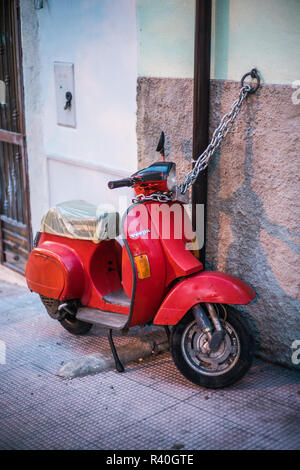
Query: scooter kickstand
{"x": 119, "y": 365}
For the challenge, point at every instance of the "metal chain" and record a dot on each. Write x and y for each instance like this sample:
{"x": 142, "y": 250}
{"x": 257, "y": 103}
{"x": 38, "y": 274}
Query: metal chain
{"x": 159, "y": 197}
{"x": 219, "y": 134}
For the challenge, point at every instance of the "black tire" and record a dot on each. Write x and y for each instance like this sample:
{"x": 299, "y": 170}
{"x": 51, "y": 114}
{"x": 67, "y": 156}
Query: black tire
{"x": 74, "y": 326}
{"x": 70, "y": 323}
{"x": 238, "y": 364}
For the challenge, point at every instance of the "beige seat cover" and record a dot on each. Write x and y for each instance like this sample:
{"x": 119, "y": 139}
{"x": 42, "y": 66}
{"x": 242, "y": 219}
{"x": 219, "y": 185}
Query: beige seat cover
{"x": 82, "y": 221}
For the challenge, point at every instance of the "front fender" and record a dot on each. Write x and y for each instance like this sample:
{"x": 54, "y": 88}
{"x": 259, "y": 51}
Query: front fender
{"x": 207, "y": 286}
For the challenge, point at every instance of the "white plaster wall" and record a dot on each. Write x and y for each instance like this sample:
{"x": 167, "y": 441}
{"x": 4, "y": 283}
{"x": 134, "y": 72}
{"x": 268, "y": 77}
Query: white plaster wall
{"x": 99, "y": 37}
{"x": 37, "y": 164}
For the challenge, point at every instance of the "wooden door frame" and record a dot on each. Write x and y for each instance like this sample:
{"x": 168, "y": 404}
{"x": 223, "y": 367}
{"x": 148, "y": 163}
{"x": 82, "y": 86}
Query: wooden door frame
{"x": 15, "y": 137}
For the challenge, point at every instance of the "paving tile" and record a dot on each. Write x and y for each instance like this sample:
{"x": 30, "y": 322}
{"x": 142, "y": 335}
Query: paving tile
{"x": 150, "y": 406}
{"x": 179, "y": 426}
{"x": 258, "y": 415}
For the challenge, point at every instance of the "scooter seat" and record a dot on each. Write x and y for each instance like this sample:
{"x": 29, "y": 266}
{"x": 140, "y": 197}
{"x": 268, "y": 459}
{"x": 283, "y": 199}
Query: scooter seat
{"x": 81, "y": 220}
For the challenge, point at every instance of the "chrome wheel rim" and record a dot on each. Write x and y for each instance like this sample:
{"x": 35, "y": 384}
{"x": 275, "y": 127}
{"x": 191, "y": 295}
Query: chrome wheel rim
{"x": 216, "y": 363}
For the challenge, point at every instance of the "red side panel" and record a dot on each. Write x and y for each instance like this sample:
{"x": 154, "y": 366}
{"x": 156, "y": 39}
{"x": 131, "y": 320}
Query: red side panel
{"x": 171, "y": 222}
{"x": 55, "y": 271}
{"x": 143, "y": 240}
{"x": 207, "y": 286}
{"x": 127, "y": 276}
{"x": 80, "y": 269}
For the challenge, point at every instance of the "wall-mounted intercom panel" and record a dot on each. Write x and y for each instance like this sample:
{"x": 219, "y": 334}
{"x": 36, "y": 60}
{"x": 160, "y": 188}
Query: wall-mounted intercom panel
{"x": 65, "y": 93}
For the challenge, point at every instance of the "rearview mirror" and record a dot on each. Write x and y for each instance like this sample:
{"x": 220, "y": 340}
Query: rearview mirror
{"x": 161, "y": 144}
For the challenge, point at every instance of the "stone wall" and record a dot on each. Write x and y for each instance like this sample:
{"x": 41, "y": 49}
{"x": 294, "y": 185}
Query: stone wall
{"x": 253, "y": 209}
{"x": 165, "y": 104}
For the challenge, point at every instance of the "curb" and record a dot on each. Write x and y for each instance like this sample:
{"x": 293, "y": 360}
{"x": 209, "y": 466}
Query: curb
{"x": 135, "y": 350}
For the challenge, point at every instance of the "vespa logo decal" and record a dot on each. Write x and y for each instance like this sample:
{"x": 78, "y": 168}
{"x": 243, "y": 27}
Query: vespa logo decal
{"x": 141, "y": 233}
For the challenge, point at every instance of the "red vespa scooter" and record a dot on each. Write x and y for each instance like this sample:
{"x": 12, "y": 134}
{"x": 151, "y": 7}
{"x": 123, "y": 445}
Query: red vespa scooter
{"x": 84, "y": 277}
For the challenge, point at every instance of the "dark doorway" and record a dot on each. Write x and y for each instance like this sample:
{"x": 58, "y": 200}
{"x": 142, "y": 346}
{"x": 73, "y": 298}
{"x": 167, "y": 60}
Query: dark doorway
{"x": 15, "y": 230}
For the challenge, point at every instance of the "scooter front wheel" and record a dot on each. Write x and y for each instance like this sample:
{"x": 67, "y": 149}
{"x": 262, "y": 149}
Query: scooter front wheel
{"x": 219, "y": 368}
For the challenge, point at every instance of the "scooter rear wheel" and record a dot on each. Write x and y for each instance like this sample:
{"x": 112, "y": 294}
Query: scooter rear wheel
{"x": 220, "y": 368}
{"x": 74, "y": 326}
{"x": 69, "y": 322}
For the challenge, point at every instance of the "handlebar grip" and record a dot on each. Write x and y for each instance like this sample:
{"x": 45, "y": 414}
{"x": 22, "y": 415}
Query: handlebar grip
{"x": 120, "y": 183}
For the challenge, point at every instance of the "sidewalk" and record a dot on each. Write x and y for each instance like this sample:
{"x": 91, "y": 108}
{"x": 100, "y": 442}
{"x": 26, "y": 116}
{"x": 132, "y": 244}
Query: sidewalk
{"x": 150, "y": 406}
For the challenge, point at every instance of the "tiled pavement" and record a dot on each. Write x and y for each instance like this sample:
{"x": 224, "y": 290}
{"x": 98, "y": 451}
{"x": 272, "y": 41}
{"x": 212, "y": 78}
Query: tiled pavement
{"x": 151, "y": 406}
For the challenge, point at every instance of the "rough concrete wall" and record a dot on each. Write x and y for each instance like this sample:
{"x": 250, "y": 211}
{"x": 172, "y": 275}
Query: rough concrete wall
{"x": 253, "y": 210}
{"x": 165, "y": 104}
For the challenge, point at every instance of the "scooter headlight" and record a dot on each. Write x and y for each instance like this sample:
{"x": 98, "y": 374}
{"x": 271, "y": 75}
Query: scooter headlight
{"x": 171, "y": 179}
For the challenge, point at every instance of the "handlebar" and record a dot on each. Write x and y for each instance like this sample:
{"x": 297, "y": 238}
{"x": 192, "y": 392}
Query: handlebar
{"x": 120, "y": 183}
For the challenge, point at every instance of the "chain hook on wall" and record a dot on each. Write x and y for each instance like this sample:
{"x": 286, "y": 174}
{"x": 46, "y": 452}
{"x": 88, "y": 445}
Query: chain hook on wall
{"x": 255, "y": 75}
